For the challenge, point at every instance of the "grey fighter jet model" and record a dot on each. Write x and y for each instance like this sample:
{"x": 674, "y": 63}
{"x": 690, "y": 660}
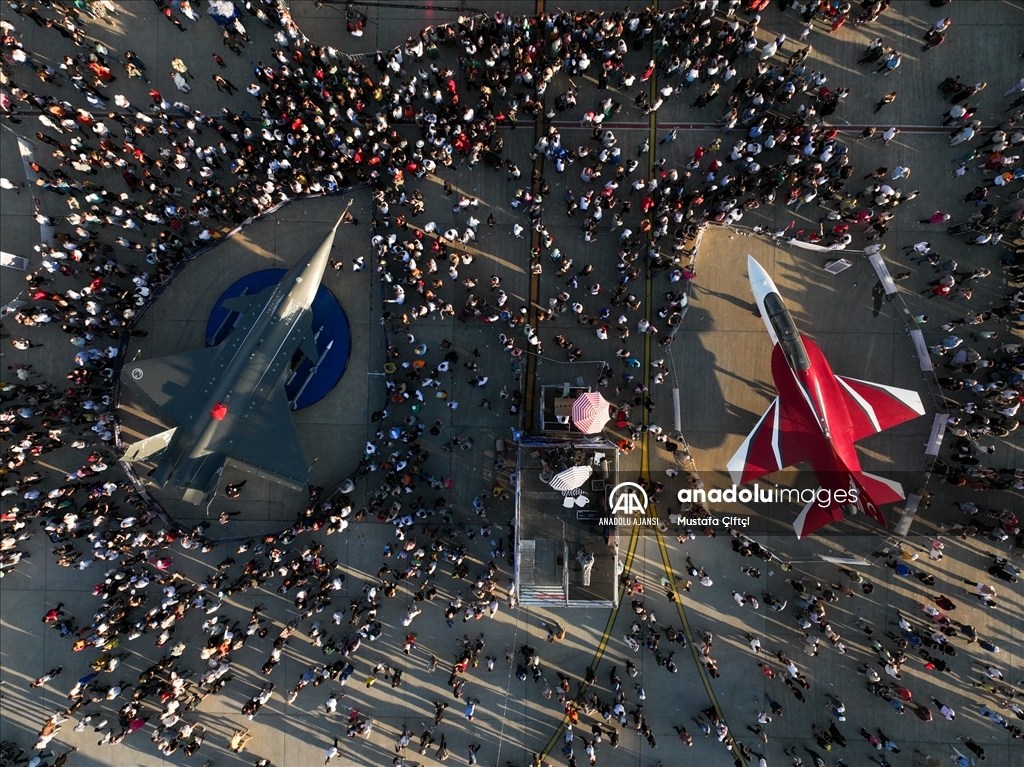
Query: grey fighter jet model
{"x": 228, "y": 401}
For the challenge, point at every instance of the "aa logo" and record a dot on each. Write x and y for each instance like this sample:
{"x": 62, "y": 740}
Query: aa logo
{"x": 627, "y": 498}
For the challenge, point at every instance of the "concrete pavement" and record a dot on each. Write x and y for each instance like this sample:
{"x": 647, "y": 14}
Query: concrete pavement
{"x": 725, "y": 385}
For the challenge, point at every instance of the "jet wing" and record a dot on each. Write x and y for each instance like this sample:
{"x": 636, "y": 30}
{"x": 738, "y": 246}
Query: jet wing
{"x": 777, "y": 441}
{"x": 874, "y": 407}
{"x": 172, "y": 382}
{"x": 242, "y": 303}
{"x": 270, "y": 446}
{"x": 786, "y": 434}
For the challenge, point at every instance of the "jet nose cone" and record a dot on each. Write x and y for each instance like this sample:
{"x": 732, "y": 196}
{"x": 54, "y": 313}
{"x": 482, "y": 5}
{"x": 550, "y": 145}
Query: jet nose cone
{"x": 755, "y": 271}
{"x": 761, "y": 283}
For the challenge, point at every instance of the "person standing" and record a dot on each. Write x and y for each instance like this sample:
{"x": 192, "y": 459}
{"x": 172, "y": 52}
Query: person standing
{"x": 179, "y": 66}
{"x": 230, "y": 40}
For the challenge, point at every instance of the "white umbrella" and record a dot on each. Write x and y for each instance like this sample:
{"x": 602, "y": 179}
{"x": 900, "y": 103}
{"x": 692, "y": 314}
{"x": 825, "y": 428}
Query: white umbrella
{"x": 572, "y": 478}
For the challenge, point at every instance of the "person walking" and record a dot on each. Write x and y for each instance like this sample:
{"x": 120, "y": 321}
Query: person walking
{"x": 46, "y": 677}
{"x": 180, "y": 83}
{"x": 173, "y": 19}
{"x": 892, "y": 61}
{"x": 888, "y": 98}
{"x": 1016, "y": 88}
{"x": 976, "y": 748}
{"x": 234, "y": 490}
{"x": 223, "y": 84}
{"x": 54, "y": 613}
{"x": 239, "y": 740}
{"x": 332, "y": 753}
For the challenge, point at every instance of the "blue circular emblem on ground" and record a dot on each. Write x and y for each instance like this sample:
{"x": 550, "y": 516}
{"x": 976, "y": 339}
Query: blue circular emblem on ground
{"x": 308, "y": 380}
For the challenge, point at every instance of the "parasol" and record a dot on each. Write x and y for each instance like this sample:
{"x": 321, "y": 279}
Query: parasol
{"x": 590, "y": 412}
{"x": 572, "y": 478}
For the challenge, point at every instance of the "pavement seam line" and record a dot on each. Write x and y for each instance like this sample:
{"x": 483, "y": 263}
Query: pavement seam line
{"x": 645, "y": 455}
{"x": 602, "y": 645}
{"x": 532, "y": 314}
{"x": 701, "y": 669}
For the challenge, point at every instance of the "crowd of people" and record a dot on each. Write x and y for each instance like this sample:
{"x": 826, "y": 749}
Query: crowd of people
{"x": 927, "y": 642}
{"x": 148, "y": 185}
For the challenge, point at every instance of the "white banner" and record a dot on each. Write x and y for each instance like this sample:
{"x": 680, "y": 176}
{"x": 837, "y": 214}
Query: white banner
{"x": 883, "y": 273}
{"x": 923, "y": 357}
{"x": 814, "y": 246}
{"x": 938, "y": 432}
{"x": 12, "y": 261}
{"x": 852, "y": 561}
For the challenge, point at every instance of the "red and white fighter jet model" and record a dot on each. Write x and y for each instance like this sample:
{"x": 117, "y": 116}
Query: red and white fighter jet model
{"x": 817, "y": 417}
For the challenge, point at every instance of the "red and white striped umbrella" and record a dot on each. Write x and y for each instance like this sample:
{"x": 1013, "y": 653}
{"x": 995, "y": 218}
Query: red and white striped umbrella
{"x": 590, "y": 412}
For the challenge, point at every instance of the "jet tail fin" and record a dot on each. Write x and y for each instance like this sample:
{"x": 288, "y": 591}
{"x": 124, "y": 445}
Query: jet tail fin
{"x": 203, "y": 475}
{"x": 874, "y": 491}
{"x": 151, "y": 448}
{"x": 815, "y": 516}
{"x": 201, "y": 496}
{"x": 865, "y": 492}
